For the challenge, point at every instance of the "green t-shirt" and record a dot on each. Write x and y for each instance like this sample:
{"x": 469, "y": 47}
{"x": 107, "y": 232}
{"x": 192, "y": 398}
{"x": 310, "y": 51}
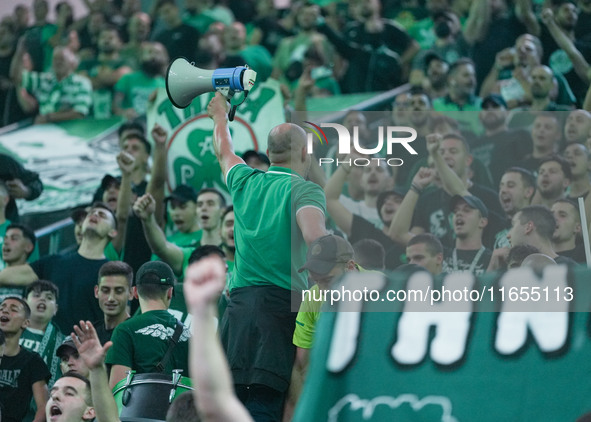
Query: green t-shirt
{"x": 141, "y": 342}
{"x": 265, "y": 205}
{"x": 136, "y": 88}
{"x": 482, "y": 362}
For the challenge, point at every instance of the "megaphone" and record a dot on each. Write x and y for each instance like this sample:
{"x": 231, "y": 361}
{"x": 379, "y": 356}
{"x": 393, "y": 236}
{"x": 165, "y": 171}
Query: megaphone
{"x": 184, "y": 82}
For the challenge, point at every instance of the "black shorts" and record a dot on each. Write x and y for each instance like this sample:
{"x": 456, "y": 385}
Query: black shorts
{"x": 257, "y": 335}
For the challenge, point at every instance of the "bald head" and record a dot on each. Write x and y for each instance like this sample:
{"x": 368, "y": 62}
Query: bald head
{"x": 285, "y": 142}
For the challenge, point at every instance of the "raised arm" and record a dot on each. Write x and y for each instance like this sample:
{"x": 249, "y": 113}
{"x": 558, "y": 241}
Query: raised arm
{"x": 222, "y": 140}
{"x": 524, "y": 12}
{"x": 333, "y": 188}
{"x": 452, "y": 184}
{"x": 168, "y": 252}
{"x": 215, "y": 397}
{"x": 478, "y": 21}
{"x": 565, "y": 43}
{"x": 40, "y": 395}
{"x": 126, "y": 164}
{"x": 399, "y": 230}
{"x": 18, "y": 275}
{"x": 16, "y": 65}
{"x": 93, "y": 354}
{"x": 158, "y": 174}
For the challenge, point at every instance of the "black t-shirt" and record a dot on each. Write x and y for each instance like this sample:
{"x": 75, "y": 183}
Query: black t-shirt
{"x": 181, "y": 41}
{"x": 500, "y": 151}
{"x": 583, "y": 26}
{"x": 432, "y": 213}
{"x": 502, "y": 33}
{"x": 474, "y": 261}
{"x": 393, "y": 36}
{"x": 75, "y": 276}
{"x": 563, "y": 259}
{"x": 559, "y": 61}
{"x": 17, "y": 376}
{"x": 577, "y": 254}
{"x": 363, "y": 229}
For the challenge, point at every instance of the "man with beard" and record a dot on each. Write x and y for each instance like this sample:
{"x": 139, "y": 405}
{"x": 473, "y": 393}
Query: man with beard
{"x": 516, "y": 190}
{"x": 436, "y": 70}
{"x": 577, "y": 126}
{"x": 563, "y": 20}
{"x": 448, "y": 46}
{"x": 499, "y": 148}
{"x": 554, "y": 177}
{"x": 461, "y": 85}
{"x": 104, "y": 71}
{"x": 568, "y": 230}
{"x": 133, "y": 90}
{"x": 452, "y": 159}
{"x": 289, "y": 57}
{"x": 76, "y": 273}
{"x": 543, "y": 84}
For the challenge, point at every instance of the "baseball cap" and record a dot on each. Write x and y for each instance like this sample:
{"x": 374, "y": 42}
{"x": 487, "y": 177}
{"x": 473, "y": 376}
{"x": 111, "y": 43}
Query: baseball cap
{"x": 325, "y": 252}
{"x": 155, "y": 272}
{"x": 472, "y": 201}
{"x": 183, "y": 193}
{"x": 67, "y": 344}
{"x": 494, "y": 99}
{"x": 109, "y": 180}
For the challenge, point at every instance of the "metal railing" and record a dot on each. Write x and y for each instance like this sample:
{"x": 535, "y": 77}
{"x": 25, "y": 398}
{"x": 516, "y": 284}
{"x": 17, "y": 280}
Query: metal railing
{"x": 55, "y": 233}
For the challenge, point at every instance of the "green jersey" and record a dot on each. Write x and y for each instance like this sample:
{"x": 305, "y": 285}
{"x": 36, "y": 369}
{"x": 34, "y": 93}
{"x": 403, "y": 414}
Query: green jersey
{"x": 265, "y": 205}
{"x": 74, "y": 92}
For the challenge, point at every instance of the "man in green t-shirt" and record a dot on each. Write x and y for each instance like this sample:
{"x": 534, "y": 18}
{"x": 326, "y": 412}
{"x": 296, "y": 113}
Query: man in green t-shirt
{"x": 272, "y": 208}
{"x": 141, "y": 342}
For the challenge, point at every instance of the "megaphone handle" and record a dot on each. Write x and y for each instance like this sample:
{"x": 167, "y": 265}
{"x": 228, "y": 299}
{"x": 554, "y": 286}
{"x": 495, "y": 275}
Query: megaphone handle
{"x": 232, "y": 113}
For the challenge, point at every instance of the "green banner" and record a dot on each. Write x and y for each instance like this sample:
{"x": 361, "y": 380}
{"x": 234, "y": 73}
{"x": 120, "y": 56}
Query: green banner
{"x": 70, "y": 157}
{"x": 493, "y": 358}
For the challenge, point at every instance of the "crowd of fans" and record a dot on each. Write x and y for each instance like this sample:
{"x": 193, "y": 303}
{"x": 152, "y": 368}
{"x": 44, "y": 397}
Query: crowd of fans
{"x": 499, "y": 101}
